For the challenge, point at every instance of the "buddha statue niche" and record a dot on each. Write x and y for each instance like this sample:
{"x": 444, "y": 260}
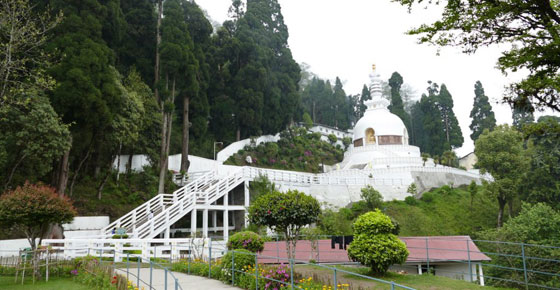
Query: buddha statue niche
{"x": 370, "y": 136}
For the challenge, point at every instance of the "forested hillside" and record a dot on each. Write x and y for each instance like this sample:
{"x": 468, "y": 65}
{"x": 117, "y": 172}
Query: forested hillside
{"x": 85, "y": 81}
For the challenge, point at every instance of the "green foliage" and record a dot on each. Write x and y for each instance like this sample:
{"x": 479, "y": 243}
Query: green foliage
{"x": 410, "y": 200}
{"x": 397, "y": 107}
{"x": 372, "y": 197}
{"x": 285, "y": 213}
{"x": 541, "y": 182}
{"x": 435, "y": 128}
{"x": 32, "y": 137}
{"x": 297, "y": 150}
{"x": 536, "y": 224}
{"x": 470, "y": 25}
{"x": 327, "y": 105}
{"x": 412, "y": 189}
{"x": 246, "y": 240}
{"x": 332, "y": 139}
{"x": 307, "y": 121}
{"x": 32, "y": 208}
{"x": 241, "y": 260}
{"x": 374, "y": 245}
{"x": 24, "y": 32}
{"x": 339, "y": 223}
{"x": 501, "y": 153}
{"x": 481, "y": 114}
{"x": 259, "y": 186}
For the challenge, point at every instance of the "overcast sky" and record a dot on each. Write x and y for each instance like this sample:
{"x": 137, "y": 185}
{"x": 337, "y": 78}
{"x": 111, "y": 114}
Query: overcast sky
{"x": 344, "y": 38}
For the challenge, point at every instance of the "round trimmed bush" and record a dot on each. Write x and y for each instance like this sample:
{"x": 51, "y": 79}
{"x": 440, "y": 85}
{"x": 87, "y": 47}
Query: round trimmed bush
{"x": 242, "y": 260}
{"x": 246, "y": 240}
{"x": 374, "y": 243}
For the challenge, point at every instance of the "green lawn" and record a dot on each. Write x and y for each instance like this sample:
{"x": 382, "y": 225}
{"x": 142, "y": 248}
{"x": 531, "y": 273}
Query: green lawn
{"x": 55, "y": 283}
{"x": 415, "y": 281}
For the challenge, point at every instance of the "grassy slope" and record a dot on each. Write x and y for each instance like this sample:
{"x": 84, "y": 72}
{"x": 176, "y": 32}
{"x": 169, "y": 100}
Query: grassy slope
{"x": 447, "y": 213}
{"x": 414, "y": 281}
{"x": 55, "y": 283}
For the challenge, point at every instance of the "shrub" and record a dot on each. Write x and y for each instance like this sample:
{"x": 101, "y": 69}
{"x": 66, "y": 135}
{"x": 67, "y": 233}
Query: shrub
{"x": 246, "y": 240}
{"x": 410, "y": 200}
{"x": 242, "y": 260}
{"x": 427, "y": 197}
{"x": 286, "y": 213}
{"x": 374, "y": 244}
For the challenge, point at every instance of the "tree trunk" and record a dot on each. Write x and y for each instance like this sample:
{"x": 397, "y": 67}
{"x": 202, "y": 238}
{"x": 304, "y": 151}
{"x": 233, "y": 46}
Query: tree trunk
{"x": 129, "y": 164}
{"x": 158, "y": 42}
{"x": 510, "y": 208}
{"x": 75, "y": 176}
{"x": 162, "y": 155}
{"x": 63, "y": 172}
{"x": 238, "y": 134}
{"x": 13, "y": 171}
{"x": 501, "y": 204}
{"x": 107, "y": 175}
{"x": 186, "y": 125}
{"x": 119, "y": 162}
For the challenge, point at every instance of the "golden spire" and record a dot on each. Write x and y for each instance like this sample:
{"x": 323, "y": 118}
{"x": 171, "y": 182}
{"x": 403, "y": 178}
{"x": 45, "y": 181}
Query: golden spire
{"x": 373, "y": 67}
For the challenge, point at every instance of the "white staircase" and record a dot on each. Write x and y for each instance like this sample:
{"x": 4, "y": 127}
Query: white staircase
{"x": 160, "y": 205}
{"x": 202, "y": 190}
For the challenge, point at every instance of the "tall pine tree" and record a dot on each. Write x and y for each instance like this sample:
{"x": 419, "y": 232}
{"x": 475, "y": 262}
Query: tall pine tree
{"x": 453, "y": 134}
{"x": 396, "y": 107}
{"x": 482, "y": 115}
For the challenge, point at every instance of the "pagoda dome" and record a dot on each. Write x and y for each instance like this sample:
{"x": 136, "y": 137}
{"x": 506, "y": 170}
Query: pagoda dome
{"x": 379, "y": 126}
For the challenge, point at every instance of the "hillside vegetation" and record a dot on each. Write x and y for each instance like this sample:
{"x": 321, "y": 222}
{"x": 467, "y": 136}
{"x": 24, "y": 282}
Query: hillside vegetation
{"x": 297, "y": 150}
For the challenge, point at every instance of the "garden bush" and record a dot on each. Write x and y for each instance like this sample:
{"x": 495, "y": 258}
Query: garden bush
{"x": 246, "y": 240}
{"x": 374, "y": 243}
{"x": 242, "y": 259}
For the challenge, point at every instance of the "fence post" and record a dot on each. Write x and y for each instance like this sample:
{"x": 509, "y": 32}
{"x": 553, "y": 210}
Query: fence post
{"x": 277, "y": 250}
{"x": 138, "y": 274}
{"x": 210, "y": 260}
{"x": 165, "y": 280}
{"x": 232, "y": 268}
{"x": 427, "y": 257}
{"x": 151, "y": 269}
{"x": 524, "y": 265}
{"x": 127, "y": 264}
{"x": 292, "y": 272}
{"x": 469, "y": 257}
{"x": 392, "y": 285}
{"x": 100, "y": 255}
{"x": 256, "y": 272}
{"x": 176, "y": 284}
{"x": 47, "y": 274}
{"x": 335, "y": 280}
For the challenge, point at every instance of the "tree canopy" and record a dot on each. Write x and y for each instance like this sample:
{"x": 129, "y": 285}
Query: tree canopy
{"x": 531, "y": 26}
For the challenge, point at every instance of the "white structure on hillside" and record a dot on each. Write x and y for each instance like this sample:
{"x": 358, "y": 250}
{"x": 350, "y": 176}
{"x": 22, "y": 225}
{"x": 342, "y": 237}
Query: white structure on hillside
{"x": 215, "y": 197}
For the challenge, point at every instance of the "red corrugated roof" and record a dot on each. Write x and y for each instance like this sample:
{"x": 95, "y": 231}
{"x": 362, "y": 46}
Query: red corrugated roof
{"x": 441, "y": 249}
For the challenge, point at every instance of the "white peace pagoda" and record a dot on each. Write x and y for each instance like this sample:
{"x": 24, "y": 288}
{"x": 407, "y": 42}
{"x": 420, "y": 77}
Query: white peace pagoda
{"x": 380, "y": 138}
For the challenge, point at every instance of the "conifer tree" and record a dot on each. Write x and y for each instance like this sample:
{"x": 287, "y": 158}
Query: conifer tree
{"x": 481, "y": 114}
{"x": 522, "y": 113}
{"x": 453, "y": 134}
{"x": 396, "y": 107}
{"x": 364, "y": 97}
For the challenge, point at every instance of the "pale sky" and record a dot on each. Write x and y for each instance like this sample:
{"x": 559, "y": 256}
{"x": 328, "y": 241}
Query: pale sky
{"x": 344, "y": 38}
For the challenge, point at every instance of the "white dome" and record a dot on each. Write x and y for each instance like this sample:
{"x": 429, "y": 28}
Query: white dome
{"x": 383, "y": 123}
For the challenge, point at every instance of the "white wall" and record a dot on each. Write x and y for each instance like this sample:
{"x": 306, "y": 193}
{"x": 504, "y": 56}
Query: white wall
{"x": 232, "y": 148}
{"x": 174, "y": 163}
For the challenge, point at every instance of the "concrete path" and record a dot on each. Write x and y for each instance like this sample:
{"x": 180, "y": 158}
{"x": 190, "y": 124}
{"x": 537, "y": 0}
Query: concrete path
{"x": 184, "y": 280}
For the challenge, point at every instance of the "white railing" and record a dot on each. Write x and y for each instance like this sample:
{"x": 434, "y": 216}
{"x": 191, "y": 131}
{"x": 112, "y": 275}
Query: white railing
{"x": 140, "y": 214}
{"x": 157, "y": 204}
{"x": 186, "y": 202}
{"x": 117, "y": 249}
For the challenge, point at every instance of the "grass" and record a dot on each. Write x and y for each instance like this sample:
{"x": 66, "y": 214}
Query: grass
{"x": 414, "y": 281}
{"x": 54, "y": 283}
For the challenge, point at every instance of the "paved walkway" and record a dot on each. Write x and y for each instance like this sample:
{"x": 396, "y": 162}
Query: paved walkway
{"x": 184, "y": 280}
